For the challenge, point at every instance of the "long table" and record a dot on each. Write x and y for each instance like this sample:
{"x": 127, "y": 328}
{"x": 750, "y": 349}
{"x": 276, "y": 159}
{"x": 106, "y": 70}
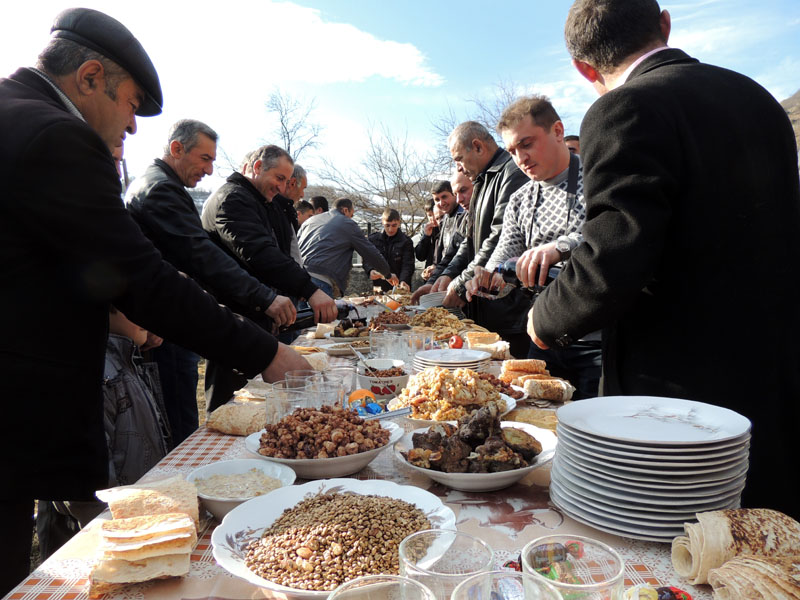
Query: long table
{"x": 506, "y": 519}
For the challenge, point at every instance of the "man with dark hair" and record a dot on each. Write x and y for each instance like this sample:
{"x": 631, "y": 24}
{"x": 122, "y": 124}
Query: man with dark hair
{"x": 165, "y": 211}
{"x": 425, "y": 249}
{"x": 462, "y": 187}
{"x": 304, "y": 210}
{"x": 398, "y": 250}
{"x": 496, "y": 177}
{"x": 542, "y": 226}
{"x": 320, "y": 204}
{"x": 327, "y": 241}
{"x": 573, "y": 142}
{"x": 70, "y": 250}
{"x": 243, "y": 220}
{"x": 688, "y": 242}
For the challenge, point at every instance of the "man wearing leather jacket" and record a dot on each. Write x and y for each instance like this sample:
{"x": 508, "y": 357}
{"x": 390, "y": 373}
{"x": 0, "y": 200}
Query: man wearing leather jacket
{"x": 167, "y": 215}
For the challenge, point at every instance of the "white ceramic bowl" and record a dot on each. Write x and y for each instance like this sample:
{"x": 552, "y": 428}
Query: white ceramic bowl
{"x": 219, "y": 507}
{"x": 247, "y": 522}
{"x": 384, "y": 388}
{"x": 484, "y": 482}
{"x": 321, "y": 468}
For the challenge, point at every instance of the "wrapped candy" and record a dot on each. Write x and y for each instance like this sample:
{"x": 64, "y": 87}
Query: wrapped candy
{"x": 562, "y": 571}
{"x": 648, "y": 592}
{"x": 545, "y": 554}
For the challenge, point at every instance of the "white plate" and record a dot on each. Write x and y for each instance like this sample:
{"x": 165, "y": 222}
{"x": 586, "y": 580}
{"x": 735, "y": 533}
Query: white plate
{"x": 248, "y": 521}
{"x": 318, "y": 468}
{"x": 511, "y": 404}
{"x": 654, "y": 420}
{"x": 335, "y": 338}
{"x": 659, "y": 449}
{"x": 449, "y": 356}
{"x": 484, "y": 482}
{"x": 332, "y": 350}
{"x": 615, "y": 453}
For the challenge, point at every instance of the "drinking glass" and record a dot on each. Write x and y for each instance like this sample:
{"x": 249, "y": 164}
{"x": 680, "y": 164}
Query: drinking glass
{"x": 381, "y": 587}
{"x": 579, "y": 568}
{"x": 300, "y": 374}
{"x": 323, "y": 392}
{"x": 380, "y": 344}
{"x": 504, "y": 585}
{"x": 285, "y": 396}
{"x": 347, "y": 375}
{"x": 440, "y": 559}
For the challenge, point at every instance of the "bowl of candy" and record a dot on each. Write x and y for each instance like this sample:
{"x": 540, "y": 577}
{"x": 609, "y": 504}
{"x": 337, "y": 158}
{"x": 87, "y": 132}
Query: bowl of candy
{"x": 384, "y": 377}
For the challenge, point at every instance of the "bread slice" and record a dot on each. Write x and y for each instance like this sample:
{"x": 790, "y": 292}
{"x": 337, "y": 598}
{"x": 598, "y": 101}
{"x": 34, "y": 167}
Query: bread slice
{"x": 145, "y": 527}
{"x": 170, "y": 495}
{"x": 238, "y": 419}
{"x": 108, "y": 576}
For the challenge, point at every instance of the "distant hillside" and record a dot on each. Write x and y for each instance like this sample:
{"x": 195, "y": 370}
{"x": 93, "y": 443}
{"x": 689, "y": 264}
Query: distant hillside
{"x": 792, "y": 107}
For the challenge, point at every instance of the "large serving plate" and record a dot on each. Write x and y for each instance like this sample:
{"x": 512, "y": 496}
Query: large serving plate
{"x": 483, "y": 482}
{"x": 318, "y": 468}
{"x": 451, "y": 356}
{"x": 338, "y": 338}
{"x": 393, "y": 404}
{"x": 334, "y": 350}
{"x": 246, "y": 523}
{"x": 654, "y": 420}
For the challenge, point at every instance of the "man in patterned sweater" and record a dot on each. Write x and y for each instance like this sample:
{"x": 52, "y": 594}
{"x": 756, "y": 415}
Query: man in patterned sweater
{"x": 542, "y": 225}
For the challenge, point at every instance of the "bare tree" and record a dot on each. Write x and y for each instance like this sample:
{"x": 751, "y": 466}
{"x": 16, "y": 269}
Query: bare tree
{"x": 392, "y": 174}
{"x": 296, "y": 131}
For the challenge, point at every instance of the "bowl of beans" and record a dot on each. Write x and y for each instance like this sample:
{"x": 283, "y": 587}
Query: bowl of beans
{"x": 384, "y": 377}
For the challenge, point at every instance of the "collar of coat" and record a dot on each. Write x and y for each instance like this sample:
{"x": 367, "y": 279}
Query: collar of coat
{"x": 659, "y": 59}
{"x": 239, "y": 179}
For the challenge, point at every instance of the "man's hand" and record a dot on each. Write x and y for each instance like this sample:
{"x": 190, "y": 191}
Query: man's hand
{"x": 537, "y": 260}
{"x": 373, "y": 274}
{"x": 428, "y": 228}
{"x": 393, "y": 280}
{"x": 483, "y": 278}
{"x": 440, "y": 285}
{"x": 532, "y": 333}
{"x": 282, "y": 311}
{"x": 404, "y": 286}
{"x": 285, "y": 360}
{"x": 323, "y": 306}
{"x": 421, "y": 291}
{"x": 427, "y": 272}
{"x": 452, "y": 300}
{"x": 153, "y": 341}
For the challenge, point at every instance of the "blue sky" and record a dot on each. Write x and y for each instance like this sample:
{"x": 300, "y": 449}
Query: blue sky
{"x": 401, "y": 65}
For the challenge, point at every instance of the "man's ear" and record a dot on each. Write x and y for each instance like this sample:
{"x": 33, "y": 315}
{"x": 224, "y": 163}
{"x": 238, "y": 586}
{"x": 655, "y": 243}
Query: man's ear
{"x": 478, "y": 145}
{"x": 558, "y": 130}
{"x": 665, "y": 22}
{"x": 175, "y": 149}
{"x": 587, "y": 70}
{"x": 88, "y": 77}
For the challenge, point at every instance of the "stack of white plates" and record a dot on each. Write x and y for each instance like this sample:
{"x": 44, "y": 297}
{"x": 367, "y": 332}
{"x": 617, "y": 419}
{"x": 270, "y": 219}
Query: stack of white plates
{"x": 452, "y": 359}
{"x": 642, "y": 466}
{"x": 432, "y": 299}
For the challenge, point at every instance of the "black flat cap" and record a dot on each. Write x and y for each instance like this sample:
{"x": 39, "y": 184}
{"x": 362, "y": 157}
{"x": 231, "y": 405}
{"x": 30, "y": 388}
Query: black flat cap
{"x": 112, "y": 39}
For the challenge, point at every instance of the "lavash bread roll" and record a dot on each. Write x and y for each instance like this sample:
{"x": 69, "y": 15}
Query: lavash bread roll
{"x": 481, "y": 337}
{"x": 720, "y": 535}
{"x": 238, "y": 419}
{"x": 553, "y": 389}
{"x": 170, "y": 495}
{"x": 757, "y": 578}
{"x": 499, "y": 350}
{"x": 108, "y": 576}
{"x": 317, "y": 360}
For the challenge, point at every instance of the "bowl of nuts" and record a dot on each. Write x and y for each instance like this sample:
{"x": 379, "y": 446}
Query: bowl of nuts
{"x": 384, "y": 377}
{"x": 305, "y": 540}
{"x": 225, "y": 484}
{"x": 328, "y": 442}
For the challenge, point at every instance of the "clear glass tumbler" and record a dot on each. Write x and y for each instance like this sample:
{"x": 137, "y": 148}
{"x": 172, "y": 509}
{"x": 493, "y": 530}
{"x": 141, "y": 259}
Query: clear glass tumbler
{"x": 505, "y": 585}
{"x": 381, "y": 587}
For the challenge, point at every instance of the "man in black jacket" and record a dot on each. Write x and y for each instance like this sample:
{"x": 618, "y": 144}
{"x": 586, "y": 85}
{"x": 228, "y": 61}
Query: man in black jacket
{"x": 690, "y": 246}
{"x": 165, "y": 211}
{"x": 495, "y": 178}
{"x": 242, "y": 219}
{"x": 425, "y": 249}
{"x": 398, "y": 250}
{"x": 68, "y": 250}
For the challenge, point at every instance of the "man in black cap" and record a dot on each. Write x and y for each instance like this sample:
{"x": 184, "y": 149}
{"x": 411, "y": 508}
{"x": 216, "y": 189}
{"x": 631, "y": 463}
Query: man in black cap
{"x": 68, "y": 249}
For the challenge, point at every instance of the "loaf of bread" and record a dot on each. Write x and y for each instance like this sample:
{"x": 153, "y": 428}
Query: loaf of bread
{"x": 238, "y": 419}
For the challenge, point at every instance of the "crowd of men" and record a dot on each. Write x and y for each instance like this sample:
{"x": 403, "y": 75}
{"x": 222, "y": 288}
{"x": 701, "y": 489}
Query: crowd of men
{"x": 674, "y": 252}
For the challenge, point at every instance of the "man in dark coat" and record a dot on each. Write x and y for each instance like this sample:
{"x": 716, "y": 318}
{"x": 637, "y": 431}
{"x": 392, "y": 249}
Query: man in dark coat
{"x": 495, "y": 178}
{"x": 690, "y": 246}
{"x": 398, "y": 250}
{"x": 68, "y": 249}
{"x": 165, "y": 211}
{"x": 242, "y": 219}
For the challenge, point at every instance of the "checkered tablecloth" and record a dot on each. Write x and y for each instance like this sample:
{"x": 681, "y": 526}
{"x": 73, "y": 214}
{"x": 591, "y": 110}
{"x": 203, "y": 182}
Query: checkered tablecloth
{"x": 506, "y": 519}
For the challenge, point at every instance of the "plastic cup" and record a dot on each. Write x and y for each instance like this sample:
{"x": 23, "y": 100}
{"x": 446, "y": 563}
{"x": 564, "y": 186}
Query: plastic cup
{"x": 504, "y": 585}
{"x": 381, "y": 587}
{"x": 440, "y": 559}
{"x": 286, "y": 396}
{"x": 579, "y": 568}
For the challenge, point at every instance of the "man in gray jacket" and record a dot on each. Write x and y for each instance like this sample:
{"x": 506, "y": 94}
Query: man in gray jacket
{"x": 327, "y": 242}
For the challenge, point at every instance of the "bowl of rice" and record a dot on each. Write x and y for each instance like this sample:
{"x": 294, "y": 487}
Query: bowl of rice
{"x": 224, "y": 485}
